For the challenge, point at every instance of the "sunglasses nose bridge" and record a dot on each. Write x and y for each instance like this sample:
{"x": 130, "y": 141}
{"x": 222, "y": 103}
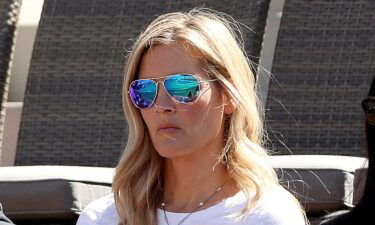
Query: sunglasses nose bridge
{"x": 157, "y": 87}
{"x": 162, "y": 98}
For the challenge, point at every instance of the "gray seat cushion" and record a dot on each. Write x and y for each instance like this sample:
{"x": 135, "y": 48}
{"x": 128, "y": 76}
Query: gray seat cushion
{"x": 323, "y": 183}
{"x": 51, "y": 192}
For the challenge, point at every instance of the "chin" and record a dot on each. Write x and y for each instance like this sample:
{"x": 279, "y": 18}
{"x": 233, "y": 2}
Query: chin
{"x": 171, "y": 152}
{"x": 167, "y": 148}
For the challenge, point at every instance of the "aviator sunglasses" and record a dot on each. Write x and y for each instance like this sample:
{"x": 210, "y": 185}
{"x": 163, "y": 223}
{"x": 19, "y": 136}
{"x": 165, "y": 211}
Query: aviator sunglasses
{"x": 184, "y": 88}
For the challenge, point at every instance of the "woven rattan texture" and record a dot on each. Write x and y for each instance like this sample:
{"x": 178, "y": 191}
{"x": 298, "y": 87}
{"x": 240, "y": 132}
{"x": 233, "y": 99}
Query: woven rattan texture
{"x": 9, "y": 10}
{"x": 72, "y": 111}
{"x": 323, "y": 64}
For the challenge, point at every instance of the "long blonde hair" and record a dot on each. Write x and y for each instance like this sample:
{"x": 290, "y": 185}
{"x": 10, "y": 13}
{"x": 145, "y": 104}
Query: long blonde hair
{"x": 139, "y": 173}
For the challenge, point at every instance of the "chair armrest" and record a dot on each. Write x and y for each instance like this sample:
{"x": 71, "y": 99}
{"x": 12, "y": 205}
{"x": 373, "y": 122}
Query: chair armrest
{"x": 322, "y": 183}
{"x": 51, "y": 192}
{"x": 359, "y": 184}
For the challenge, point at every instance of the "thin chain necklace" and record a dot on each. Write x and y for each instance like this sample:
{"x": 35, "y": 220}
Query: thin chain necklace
{"x": 201, "y": 204}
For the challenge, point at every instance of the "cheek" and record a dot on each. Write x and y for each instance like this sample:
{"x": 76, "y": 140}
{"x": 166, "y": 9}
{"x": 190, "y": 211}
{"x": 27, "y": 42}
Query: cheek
{"x": 204, "y": 117}
{"x": 147, "y": 117}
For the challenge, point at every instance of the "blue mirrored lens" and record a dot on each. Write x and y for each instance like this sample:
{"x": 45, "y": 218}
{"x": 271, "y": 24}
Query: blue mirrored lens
{"x": 142, "y": 93}
{"x": 183, "y": 88}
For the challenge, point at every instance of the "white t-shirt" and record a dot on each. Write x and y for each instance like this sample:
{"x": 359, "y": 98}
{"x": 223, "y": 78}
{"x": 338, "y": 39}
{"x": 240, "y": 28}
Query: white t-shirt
{"x": 275, "y": 207}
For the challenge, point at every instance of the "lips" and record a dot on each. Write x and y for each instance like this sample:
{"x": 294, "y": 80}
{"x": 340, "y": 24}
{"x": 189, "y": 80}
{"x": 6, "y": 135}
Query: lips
{"x": 168, "y": 127}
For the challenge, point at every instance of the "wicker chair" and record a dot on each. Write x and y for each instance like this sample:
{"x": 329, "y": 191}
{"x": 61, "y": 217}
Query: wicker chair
{"x": 9, "y": 10}
{"x": 323, "y": 65}
{"x": 72, "y": 112}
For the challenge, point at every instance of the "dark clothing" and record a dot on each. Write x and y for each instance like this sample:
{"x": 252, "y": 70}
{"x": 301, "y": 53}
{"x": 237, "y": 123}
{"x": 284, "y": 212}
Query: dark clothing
{"x": 350, "y": 218}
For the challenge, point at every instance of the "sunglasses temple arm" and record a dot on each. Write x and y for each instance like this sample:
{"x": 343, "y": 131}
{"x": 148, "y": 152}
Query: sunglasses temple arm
{"x": 202, "y": 81}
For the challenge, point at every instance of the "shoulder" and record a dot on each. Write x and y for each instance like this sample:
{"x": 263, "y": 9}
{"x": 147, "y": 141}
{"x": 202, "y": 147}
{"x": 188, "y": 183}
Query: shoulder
{"x": 277, "y": 207}
{"x": 99, "y": 212}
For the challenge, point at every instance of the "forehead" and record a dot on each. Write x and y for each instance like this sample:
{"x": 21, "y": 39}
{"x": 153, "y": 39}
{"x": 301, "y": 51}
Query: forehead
{"x": 162, "y": 60}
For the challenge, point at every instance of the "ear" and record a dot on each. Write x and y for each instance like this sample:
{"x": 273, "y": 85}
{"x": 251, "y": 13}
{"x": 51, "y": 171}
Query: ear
{"x": 228, "y": 104}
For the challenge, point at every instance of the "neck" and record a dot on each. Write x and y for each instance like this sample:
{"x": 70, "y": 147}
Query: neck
{"x": 192, "y": 179}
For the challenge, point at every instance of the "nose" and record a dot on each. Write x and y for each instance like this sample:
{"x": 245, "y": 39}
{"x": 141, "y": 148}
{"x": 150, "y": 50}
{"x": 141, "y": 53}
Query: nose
{"x": 163, "y": 102}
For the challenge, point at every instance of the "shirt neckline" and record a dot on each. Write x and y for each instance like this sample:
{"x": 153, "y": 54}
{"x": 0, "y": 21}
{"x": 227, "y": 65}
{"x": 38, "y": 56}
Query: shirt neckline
{"x": 211, "y": 208}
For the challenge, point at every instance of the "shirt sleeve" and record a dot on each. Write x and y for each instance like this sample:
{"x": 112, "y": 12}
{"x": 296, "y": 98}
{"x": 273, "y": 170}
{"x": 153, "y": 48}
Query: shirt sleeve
{"x": 90, "y": 214}
{"x": 282, "y": 218}
{"x": 85, "y": 219}
{"x": 99, "y": 212}
{"x": 280, "y": 208}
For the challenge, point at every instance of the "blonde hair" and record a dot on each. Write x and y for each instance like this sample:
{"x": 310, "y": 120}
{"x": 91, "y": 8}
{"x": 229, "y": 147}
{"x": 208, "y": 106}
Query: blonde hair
{"x": 139, "y": 173}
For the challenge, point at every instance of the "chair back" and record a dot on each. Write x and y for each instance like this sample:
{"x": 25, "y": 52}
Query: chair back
{"x": 323, "y": 66}
{"x": 9, "y": 11}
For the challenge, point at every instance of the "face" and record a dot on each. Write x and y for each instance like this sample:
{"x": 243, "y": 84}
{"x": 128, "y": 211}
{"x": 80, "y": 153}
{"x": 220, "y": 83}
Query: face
{"x": 178, "y": 129}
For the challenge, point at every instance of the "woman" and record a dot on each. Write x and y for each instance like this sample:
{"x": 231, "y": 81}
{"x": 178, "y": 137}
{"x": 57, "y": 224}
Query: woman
{"x": 362, "y": 213}
{"x": 194, "y": 152}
